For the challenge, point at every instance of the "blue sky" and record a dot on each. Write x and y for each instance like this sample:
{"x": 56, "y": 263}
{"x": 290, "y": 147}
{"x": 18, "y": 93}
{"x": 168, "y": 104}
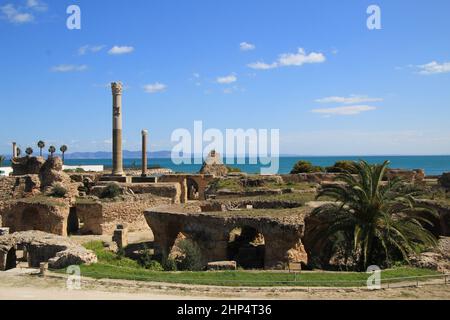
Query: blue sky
{"x": 309, "y": 68}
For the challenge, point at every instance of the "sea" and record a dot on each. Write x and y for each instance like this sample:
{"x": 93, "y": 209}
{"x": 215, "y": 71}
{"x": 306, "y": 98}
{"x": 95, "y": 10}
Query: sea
{"x": 433, "y": 165}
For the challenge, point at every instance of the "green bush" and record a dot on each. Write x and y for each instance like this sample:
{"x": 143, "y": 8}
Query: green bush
{"x": 303, "y": 166}
{"x": 192, "y": 260}
{"x": 112, "y": 190}
{"x": 343, "y": 166}
{"x": 169, "y": 264}
{"x": 58, "y": 191}
{"x": 444, "y": 181}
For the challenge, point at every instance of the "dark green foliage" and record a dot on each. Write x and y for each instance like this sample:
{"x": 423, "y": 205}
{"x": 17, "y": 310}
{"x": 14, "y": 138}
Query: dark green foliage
{"x": 303, "y": 166}
{"x": 58, "y": 191}
{"x": 169, "y": 264}
{"x": 192, "y": 260}
{"x": 112, "y": 190}
{"x": 444, "y": 181}
{"x": 372, "y": 222}
{"x": 343, "y": 166}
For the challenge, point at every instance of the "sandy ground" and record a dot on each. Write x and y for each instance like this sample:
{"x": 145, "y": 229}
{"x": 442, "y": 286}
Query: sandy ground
{"x": 20, "y": 285}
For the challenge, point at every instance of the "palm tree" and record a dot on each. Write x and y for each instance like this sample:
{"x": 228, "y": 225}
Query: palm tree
{"x": 29, "y": 151}
{"x": 372, "y": 221}
{"x": 41, "y": 145}
{"x": 18, "y": 151}
{"x": 51, "y": 150}
{"x": 63, "y": 150}
{"x": 2, "y": 159}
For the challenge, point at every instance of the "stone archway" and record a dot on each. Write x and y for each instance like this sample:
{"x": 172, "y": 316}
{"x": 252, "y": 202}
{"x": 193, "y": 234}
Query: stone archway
{"x": 247, "y": 247}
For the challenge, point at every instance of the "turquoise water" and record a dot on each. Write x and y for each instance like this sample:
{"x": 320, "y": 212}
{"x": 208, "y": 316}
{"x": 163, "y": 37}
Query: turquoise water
{"x": 433, "y": 165}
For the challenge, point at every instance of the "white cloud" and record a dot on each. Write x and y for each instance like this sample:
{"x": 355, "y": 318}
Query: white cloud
{"x": 245, "y": 46}
{"x": 13, "y": 15}
{"x": 434, "y": 68}
{"x": 344, "y": 111}
{"x": 87, "y": 48}
{"x": 69, "y": 68}
{"x": 155, "y": 87}
{"x": 37, "y": 5}
{"x": 262, "y": 66}
{"x": 348, "y": 100}
{"x": 117, "y": 50}
{"x": 226, "y": 80}
{"x": 290, "y": 59}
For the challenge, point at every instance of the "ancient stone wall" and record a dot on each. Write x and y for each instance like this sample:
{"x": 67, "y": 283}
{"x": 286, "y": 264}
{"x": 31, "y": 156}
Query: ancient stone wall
{"x": 211, "y": 232}
{"x": 49, "y": 215}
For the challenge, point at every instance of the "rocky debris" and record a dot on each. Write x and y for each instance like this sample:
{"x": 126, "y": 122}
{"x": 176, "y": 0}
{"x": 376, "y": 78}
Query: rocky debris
{"x": 416, "y": 175}
{"x": 59, "y": 252}
{"x": 51, "y": 172}
{"x": 438, "y": 259}
{"x": 221, "y": 265}
{"x": 27, "y": 165}
{"x": 213, "y": 165}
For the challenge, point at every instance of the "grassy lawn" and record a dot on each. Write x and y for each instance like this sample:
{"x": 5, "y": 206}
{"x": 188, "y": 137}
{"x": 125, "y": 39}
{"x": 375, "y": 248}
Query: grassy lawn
{"x": 111, "y": 266}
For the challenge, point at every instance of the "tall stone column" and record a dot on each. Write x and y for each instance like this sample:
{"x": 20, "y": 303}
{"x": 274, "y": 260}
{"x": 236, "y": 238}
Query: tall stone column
{"x": 14, "y": 150}
{"x": 117, "y": 129}
{"x": 144, "y": 153}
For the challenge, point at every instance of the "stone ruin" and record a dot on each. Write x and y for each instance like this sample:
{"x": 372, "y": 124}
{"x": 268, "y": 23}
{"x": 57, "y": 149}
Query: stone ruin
{"x": 38, "y": 247}
{"x": 267, "y": 239}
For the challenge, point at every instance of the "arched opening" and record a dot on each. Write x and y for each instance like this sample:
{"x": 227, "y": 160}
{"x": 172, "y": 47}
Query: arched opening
{"x": 11, "y": 259}
{"x": 193, "y": 189}
{"x": 246, "y": 246}
{"x": 73, "y": 223}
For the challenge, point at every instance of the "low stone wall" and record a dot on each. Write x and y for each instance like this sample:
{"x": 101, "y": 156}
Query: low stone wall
{"x": 101, "y": 217}
{"x": 308, "y": 177}
{"x": 28, "y": 214}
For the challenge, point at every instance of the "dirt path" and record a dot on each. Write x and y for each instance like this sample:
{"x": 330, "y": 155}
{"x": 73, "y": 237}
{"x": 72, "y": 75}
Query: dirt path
{"x": 25, "y": 286}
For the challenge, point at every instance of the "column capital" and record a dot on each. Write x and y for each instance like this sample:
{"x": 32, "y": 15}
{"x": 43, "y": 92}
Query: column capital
{"x": 116, "y": 87}
{"x": 144, "y": 132}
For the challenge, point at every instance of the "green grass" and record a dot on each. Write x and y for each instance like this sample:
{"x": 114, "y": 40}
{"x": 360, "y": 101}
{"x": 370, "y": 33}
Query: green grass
{"x": 247, "y": 278}
{"x": 111, "y": 266}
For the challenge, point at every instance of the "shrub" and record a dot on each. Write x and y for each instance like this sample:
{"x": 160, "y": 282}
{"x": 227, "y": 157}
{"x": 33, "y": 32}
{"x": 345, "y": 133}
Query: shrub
{"x": 146, "y": 260}
{"x": 303, "y": 166}
{"x": 343, "y": 166}
{"x": 169, "y": 264}
{"x": 58, "y": 190}
{"x": 112, "y": 190}
{"x": 444, "y": 181}
{"x": 192, "y": 256}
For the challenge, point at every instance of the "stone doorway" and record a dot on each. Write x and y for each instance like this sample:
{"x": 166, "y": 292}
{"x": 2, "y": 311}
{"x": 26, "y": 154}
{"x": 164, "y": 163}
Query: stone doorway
{"x": 11, "y": 259}
{"x": 246, "y": 246}
{"x": 192, "y": 189}
{"x": 73, "y": 223}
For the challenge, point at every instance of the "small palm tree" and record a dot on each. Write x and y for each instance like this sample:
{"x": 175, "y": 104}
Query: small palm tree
{"x": 2, "y": 159}
{"x": 41, "y": 145}
{"x": 29, "y": 151}
{"x": 51, "y": 150}
{"x": 63, "y": 150}
{"x": 371, "y": 220}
